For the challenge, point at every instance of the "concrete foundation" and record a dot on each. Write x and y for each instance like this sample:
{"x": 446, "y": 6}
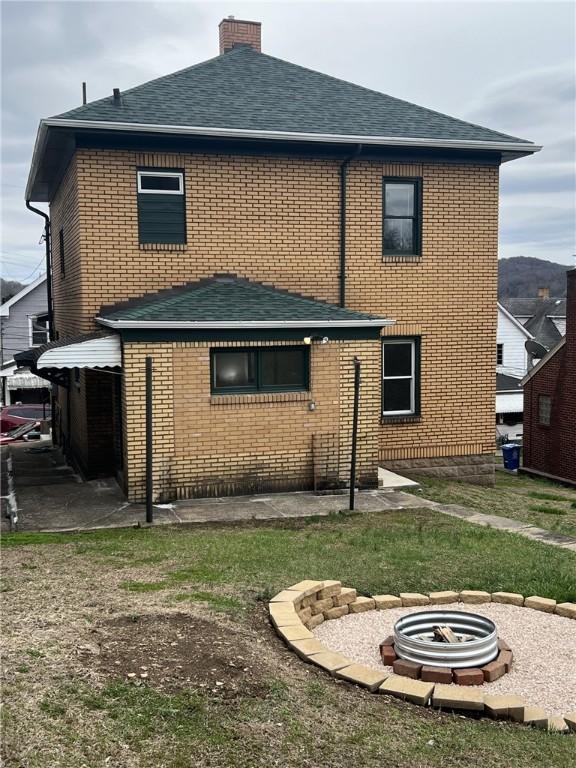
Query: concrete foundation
{"x": 478, "y": 469}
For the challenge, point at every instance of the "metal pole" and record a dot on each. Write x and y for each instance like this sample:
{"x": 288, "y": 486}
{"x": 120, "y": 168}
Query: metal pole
{"x": 354, "y": 431}
{"x": 149, "y": 445}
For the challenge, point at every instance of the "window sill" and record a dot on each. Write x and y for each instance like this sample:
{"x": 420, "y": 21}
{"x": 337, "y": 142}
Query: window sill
{"x": 258, "y": 398}
{"x": 162, "y": 246}
{"x": 408, "y": 419}
{"x": 401, "y": 257}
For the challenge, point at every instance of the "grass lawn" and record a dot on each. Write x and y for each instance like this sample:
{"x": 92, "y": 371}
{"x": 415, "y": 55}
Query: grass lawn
{"x": 539, "y": 502}
{"x": 152, "y": 647}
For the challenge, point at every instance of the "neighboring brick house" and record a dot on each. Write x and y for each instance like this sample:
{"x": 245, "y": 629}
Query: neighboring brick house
{"x": 382, "y": 214}
{"x": 550, "y": 404}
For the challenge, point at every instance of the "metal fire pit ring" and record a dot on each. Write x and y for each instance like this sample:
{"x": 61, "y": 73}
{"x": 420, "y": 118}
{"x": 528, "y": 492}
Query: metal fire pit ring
{"x": 482, "y": 649}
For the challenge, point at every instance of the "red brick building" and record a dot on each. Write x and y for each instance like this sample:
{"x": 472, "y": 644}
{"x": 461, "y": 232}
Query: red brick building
{"x": 550, "y": 404}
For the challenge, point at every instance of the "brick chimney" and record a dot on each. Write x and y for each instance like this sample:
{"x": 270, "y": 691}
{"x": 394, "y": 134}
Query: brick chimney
{"x": 544, "y": 293}
{"x": 236, "y": 32}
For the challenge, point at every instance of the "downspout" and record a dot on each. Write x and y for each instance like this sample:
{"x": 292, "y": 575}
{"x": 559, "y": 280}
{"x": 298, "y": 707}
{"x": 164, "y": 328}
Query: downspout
{"x": 343, "y": 179}
{"x": 48, "y": 240}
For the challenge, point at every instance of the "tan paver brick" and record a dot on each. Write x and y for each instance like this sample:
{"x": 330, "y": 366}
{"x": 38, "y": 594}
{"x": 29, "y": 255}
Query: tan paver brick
{"x": 336, "y": 612}
{"x": 287, "y": 596}
{"x": 307, "y": 647}
{"x": 540, "y": 604}
{"x": 347, "y": 595}
{"x": 387, "y": 601}
{"x": 500, "y": 706}
{"x": 570, "y": 719}
{"x": 330, "y": 589}
{"x": 557, "y": 724}
{"x": 295, "y": 633}
{"x": 321, "y": 605}
{"x": 474, "y": 596}
{"x": 509, "y": 598}
{"x": 415, "y": 691}
{"x": 361, "y": 675}
{"x": 361, "y": 604}
{"x": 455, "y": 697}
{"x": 535, "y": 716}
{"x": 414, "y": 598}
{"x": 441, "y": 598}
{"x": 315, "y": 621}
{"x": 307, "y": 587}
{"x": 329, "y": 660}
{"x": 567, "y": 610}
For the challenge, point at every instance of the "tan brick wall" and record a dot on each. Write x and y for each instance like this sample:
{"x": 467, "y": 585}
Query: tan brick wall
{"x": 277, "y": 220}
{"x": 213, "y": 445}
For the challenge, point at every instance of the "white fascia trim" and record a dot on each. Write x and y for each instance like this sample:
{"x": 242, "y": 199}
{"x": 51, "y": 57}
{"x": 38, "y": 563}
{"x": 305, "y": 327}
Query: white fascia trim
{"x": 543, "y": 361}
{"x": 518, "y": 146}
{"x": 5, "y": 308}
{"x": 514, "y": 320}
{"x": 251, "y": 324}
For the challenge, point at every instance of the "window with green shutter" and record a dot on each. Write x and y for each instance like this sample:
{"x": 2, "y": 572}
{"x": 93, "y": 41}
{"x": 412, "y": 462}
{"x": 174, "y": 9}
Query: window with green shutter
{"x": 161, "y": 207}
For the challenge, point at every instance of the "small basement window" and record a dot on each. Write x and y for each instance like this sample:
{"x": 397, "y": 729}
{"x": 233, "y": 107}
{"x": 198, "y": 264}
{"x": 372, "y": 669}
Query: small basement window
{"x": 544, "y": 410}
{"x": 161, "y": 207}
{"x": 260, "y": 369}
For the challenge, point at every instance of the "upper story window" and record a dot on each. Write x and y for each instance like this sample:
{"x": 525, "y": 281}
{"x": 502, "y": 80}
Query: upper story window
{"x": 401, "y": 377}
{"x": 62, "y": 254}
{"x": 544, "y": 410}
{"x": 260, "y": 369}
{"x": 161, "y": 207}
{"x": 499, "y": 354}
{"x": 402, "y": 217}
{"x": 38, "y": 329}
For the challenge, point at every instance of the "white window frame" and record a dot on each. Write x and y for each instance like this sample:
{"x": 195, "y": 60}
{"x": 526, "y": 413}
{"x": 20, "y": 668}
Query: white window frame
{"x": 31, "y": 320}
{"x": 171, "y": 174}
{"x": 411, "y": 378}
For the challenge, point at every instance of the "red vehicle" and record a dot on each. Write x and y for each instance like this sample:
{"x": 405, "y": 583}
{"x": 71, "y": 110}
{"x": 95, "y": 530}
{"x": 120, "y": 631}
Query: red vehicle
{"x": 12, "y": 416}
{"x": 26, "y": 432}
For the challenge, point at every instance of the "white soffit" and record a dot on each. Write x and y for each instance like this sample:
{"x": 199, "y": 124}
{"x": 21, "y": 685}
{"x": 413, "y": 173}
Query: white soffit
{"x": 104, "y": 352}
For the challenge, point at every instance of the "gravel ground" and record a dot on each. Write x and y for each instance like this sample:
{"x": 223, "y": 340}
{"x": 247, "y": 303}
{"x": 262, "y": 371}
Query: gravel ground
{"x": 544, "y": 647}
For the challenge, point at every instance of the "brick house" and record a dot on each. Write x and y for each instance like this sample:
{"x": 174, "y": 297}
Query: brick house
{"x": 217, "y": 218}
{"x": 550, "y": 404}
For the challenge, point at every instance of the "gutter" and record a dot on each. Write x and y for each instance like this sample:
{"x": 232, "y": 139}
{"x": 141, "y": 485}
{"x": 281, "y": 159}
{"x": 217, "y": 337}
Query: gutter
{"x": 48, "y": 239}
{"x": 343, "y": 182}
{"x": 227, "y": 325}
{"x": 241, "y": 133}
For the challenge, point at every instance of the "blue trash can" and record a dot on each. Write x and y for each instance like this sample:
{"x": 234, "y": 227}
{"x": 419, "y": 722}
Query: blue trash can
{"x": 511, "y": 456}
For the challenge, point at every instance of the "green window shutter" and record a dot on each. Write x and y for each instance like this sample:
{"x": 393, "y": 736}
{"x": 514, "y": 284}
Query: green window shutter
{"x": 161, "y": 218}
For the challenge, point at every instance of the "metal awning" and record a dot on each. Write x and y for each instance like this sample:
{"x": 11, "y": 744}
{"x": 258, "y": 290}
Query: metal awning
{"x": 26, "y": 380}
{"x": 95, "y": 351}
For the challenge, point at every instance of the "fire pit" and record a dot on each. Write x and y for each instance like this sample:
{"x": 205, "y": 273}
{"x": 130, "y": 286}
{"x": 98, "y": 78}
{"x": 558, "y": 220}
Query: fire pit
{"x": 472, "y": 640}
{"x": 447, "y": 647}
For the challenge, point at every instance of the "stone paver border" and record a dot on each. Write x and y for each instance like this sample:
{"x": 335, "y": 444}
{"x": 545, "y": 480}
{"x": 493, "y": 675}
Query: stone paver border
{"x": 298, "y": 609}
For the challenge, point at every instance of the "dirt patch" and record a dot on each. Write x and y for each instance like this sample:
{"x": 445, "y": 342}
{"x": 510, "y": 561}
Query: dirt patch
{"x": 174, "y": 652}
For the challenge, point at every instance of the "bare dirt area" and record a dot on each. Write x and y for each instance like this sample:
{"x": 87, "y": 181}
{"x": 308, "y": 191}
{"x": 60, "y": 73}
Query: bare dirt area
{"x": 175, "y": 652}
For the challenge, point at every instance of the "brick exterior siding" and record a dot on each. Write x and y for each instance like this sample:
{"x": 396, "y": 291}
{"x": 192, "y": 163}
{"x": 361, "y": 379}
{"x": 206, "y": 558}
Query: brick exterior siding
{"x": 552, "y": 448}
{"x": 276, "y": 219}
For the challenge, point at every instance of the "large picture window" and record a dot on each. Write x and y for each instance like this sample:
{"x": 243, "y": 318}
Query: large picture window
{"x": 260, "y": 369}
{"x": 402, "y": 215}
{"x": 161, "y": 207}
{"x": 401, "y": 377}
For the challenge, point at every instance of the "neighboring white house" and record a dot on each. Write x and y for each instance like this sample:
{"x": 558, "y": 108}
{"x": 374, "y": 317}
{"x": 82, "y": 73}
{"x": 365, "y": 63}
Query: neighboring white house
{"x": 511, "y": 367}
{"x": 23, "y": 324}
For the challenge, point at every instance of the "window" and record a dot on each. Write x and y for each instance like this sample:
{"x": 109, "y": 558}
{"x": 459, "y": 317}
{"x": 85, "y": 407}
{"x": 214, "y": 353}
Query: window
{"x": 401, "y": 377}
{"x": 544, "y": 409}
{"x": 38, "y": 325}
{"x": 260, "y": 369}
{"x": 499, "y": 354}
{"x": 402, "y": 213}
{"x": 161, "y": 207}
{"x": 62, "y": 257}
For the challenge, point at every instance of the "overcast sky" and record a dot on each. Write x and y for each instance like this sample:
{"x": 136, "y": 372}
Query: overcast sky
{"x": 504, "y": 64}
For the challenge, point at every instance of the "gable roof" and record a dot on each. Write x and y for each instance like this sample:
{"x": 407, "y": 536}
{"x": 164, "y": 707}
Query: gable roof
{"x": 542, "y": 327}
{"x": 227, "y": 301}
{"x": 505, "y": 383}
{"x": 528, "y": 307}
{"x": 249, "y": 90}
{"x": 246, "y": 95}
{"x": 541, "y": 363}
{"x": 5, "y": 307}
{"x": 514, "y": 321}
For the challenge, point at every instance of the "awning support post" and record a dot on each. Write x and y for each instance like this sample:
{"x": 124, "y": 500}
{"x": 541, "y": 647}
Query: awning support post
{"x": 354, "y": 432}
{"x": 149, "y": 443}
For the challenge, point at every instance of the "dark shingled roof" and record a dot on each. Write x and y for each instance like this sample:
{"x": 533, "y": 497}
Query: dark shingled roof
{"x": 528, "y": 307}
{"x": 244, "y": 89}
{"x": 227, "y": 298}
{"x": 506, "y": 383}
